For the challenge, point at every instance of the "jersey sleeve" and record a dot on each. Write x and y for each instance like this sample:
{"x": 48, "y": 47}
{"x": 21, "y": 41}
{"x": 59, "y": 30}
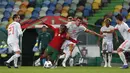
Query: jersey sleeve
{"x": 101, "y": 30}
{"x": 127, "y": 27}
{"x": 116, "y": 27}
{"x": 83, "y": 28}
{"x": 19, "y": 29}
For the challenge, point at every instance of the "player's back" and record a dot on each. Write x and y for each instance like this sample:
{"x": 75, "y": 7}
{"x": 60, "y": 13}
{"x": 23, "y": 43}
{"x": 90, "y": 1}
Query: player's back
{"x": 13, "y": 32}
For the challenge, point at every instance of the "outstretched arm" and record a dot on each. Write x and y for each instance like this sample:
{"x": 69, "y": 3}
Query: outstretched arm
{"x": 92, "y": 32}
{"x": 49, "y": 25}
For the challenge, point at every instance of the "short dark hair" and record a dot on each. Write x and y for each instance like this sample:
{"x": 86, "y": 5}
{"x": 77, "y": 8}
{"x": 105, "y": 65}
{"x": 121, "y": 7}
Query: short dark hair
{"x": 15, "y": 15}
{"x": 119, "y": 17}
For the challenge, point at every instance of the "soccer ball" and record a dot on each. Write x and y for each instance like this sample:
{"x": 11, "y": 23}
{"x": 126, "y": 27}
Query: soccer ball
{"x": 47, "y": 64}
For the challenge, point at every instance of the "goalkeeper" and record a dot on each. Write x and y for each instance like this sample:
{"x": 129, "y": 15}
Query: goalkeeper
{"x": 42, "y": 42}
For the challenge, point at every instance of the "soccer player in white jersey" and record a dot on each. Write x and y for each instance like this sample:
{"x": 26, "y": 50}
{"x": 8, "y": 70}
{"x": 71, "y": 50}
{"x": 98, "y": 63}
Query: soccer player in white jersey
{"x": 107, "y": 43}
{"x": 124, "y": 29}
{"x": 74, "y": 27}
{"x": 14, "y": 32}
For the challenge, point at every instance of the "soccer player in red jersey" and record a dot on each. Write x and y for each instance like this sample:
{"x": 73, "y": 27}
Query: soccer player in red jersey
{"x": 54, "y": 47}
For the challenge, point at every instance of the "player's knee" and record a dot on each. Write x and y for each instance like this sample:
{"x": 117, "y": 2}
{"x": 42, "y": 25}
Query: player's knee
{"x": 119, "y": 50}
{"x": 104, "y": 52}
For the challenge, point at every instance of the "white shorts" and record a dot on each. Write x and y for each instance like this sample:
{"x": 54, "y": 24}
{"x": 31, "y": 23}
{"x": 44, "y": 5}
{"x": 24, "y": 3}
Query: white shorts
{"x": 107, "y": 45}
{"x": 125, "y": 45}
{"x": 66, "y": 45}
{"x": 14, "y": 47}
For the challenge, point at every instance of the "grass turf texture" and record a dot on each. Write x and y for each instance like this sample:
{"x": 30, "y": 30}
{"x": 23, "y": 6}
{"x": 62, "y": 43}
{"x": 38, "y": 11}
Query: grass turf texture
{"x": 28, "y": 69}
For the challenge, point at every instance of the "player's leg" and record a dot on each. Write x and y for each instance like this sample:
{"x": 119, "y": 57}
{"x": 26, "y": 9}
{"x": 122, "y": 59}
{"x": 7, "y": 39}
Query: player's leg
{"x": 110, "y": 49}
{"x": 66, "y": 57}
{"x": 124, "y": 46}
{"x": 15, "y": 57}
{"x": 104, "y": 53}
{"x": 54, "y": 57}
{"x": 44, "y": 55}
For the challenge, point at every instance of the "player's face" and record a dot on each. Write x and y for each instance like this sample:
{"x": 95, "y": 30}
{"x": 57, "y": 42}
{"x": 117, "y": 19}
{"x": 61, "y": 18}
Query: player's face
{"x": 44, "y": 29}
{"x": 18, "y": 19}
{"x": 69, "y": 19}
{"x": 62, "y": 29}
{"x": 117, "y": 21}
{"x": 78, "y": 22}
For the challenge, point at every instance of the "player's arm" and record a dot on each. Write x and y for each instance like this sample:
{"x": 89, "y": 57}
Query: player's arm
{"x": 50, "y": 26}
{"x": 98, "y": 42}
{"x": 71, "y": 39}
{"x": 116, "y": 36}
{"x": 20, "y": 33}
{"x": 92, "y": 32}
{"x": 111, "y": 31}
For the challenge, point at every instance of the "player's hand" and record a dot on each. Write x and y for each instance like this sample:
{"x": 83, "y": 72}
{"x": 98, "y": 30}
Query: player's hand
{"x": 101, "y": 36}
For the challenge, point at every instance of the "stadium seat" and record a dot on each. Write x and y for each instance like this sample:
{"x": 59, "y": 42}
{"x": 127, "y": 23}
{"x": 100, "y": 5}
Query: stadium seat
{"x": 118, "y": 7}
{"x": 117, "y": 10}
{"x": 35, "y": 14}
{"x": 73, "y": 6}
{"x": 51, "y": 7}
{"x": 126, "y": 6}
{"x": 38, "y": 9}
{"x": 71, "y": 12}
{"x": 25, "y": 3}
{"x": 124, "y": 12}
{"x": 64, "y": 14}
{"x": 75, "y": 1}
{"x": 86, "y": 13}
{"x": 95, "y": 6}
{"x": 78, "y": 14}
{"x": 2, "y": 10}
{"x": 66, "y": 8}
{"x": 98, "y": 1}
{"x": 4, "y": 23}
{"x": 57, "y": 14}
{"x": 128, "y": 22}
{"x": 42, "y": 13}
{"x": 90, "y": 1}
{"x": 68, "y": 1}
{"x": 58, "y": 7}
{"x": 1, "y": 16}
{"x": 61, "y": 2}
{"x": 80, "y": 8}
{"x": 128, "y": 17}
{"x": 49, "y": 13}
{"x": 54, "y": 1}
{"x": 44, "y": 9}
{"x": 18, "y": 3}
{"x": 46, "y": 2}
{"x": 30, "y": 9}
{"x": 6, "y": 14}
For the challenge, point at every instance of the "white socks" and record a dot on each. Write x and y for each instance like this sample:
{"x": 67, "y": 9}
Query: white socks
{"x": 15, "y": 58}
{"x": 122, "y": 57}
{"x": 37, "y": 61}
{"x": 109, "y": 59}
{"x": 15, "y": 62}
{"x": 67, "y": 55}
{"x": 62, "y": 56}
{"x": 105, "y": 59}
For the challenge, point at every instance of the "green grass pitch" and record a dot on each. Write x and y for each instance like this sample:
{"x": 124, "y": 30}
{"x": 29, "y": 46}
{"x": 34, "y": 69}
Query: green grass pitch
{"x": 87, "y": 69}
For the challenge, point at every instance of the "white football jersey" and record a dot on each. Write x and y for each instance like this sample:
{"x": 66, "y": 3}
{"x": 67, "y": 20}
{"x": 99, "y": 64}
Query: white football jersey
{"x": 14, "y": 30}
{"x": 74, "y": 30}
{"x": 123, "y": 29}
{"x": 107, "y": 36}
